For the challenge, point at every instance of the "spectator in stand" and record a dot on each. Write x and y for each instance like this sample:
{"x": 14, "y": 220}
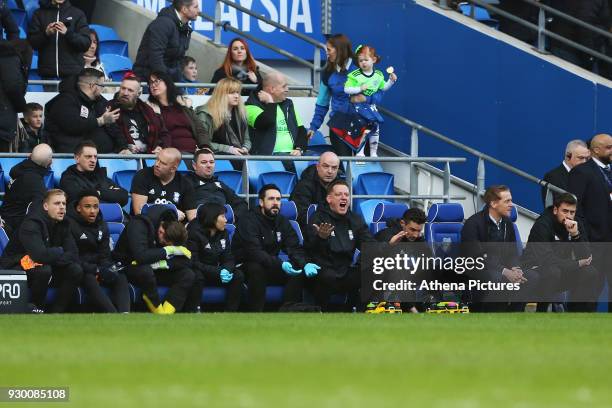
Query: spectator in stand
{"x": 260, "y": 235}
{"x": 189, "y": 68}
{"x": 240, "y": 65}
{"x": 46, "y": 251}
{"x": 576, "y": 152}
{"x": 332, "y": 236}
{"x": 27, "y": 186}
{"x": 224, "y": 118}
{"x": 312, "y": 187}
{"x": 87, "y": 175}
{"x": 212, "y": 257}
{"x": 142, "y": 129}
{"x": 91, "y": 236}
{"x": 161, "y": 184}
{"x": 92, "y": 55}
{"x": 185, "y": 132}
{"x": 32, "y": 123}
{"x": 79, "y": 112}
{"x": 275, "y": 125}
{"x": 152, "y": 260}
{"x": 7, "y": 23}
{"x": 591, "y": 183}
{"x": 166, "y": 40}
{"x": 15, "y": 60}
{"x": 88, "y": 7}
{"x": 60, "y": 34}
{"x": 209, "y": 189}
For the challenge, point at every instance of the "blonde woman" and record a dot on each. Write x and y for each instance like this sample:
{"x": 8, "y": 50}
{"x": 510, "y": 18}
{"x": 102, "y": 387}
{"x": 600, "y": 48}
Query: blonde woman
{"x": 224, "y": 119}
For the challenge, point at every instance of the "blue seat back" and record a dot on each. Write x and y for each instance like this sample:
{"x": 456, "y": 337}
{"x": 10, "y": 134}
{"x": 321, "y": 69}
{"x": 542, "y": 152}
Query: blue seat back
{"x": 445, "y": 222}
{"x": 300, "y": 166}
{"x": 113, "y": 165}
{"x": 123, "y": 178}
{"x": 181, "y": 167}
{"x": 223, "y": 165}
{"x": 229, "y": 214}
{"x": 387, "y": 211}
{"x": 374, "y": 183}
{"x": 232, "y": 178}
{"x": 58, "y": 167}
{"x": 231, "y": 229}
{"x": 116, "y": 65}
{"x": 376, "y": 227}
{"x": 4, "y": 240}
{"x": 358, "y": 169}
{"x": 105, "y": 32}
{"x": 366, "y": 208}
{"x": 298, "y": 230}
{"x": 111, "y": 212}
{"x": 284, "y": 180}
{"x": 311, "y": 210}
{"x": 114, "y": 47}
{"x": 145, "y": 208}
{"x": 114, "y": 231}
{"x": 288, "y": 210}
{"x": 20, "y": 17}
{"x": 259, "y": 167}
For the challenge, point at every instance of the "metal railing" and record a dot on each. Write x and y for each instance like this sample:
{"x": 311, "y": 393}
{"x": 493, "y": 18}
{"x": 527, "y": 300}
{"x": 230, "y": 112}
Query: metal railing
{"x": 349, "y": 163}
{"x": 540, "y": 28}
{"x": 482, "y": 158}
{"x": 178, "y": 84}
{"x": 314, "y": 66}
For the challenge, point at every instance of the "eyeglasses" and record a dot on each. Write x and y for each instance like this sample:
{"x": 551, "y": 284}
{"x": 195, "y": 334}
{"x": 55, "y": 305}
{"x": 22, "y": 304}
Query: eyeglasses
{"x": 155, "y": 81}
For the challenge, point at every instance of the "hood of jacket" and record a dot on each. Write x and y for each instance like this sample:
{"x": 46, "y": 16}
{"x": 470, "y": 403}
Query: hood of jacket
{"x": 72, "y": 213}
{"x": 27, "y": 166}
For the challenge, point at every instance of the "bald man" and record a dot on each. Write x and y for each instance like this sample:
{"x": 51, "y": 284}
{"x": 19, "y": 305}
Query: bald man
{"x": 591, "y": 183}
{"x": 312, "y": 187}
{"x": 161, "y": 184}
{"x": 274, "y": 124}
{"x": 27, "y": 186}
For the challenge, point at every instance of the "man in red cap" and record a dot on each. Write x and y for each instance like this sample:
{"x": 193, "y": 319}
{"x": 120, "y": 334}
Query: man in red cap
{"x": 140, "y": 126}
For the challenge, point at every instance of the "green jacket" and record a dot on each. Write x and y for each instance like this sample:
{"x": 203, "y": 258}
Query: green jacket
{"x": 223, "y": 144}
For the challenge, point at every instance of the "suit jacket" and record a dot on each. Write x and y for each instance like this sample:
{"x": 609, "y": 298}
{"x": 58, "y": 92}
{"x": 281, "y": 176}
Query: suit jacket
{"x": 589, "y": 184}
{"x": 559, "y": 177}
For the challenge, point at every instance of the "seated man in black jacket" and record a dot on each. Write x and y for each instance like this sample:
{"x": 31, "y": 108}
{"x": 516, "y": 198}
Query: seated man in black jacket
{"x": 260, "y": 235}
{"x": 489, "y": 234}
{"x": 143, "y": 248}
{"x": 46, "y": 251}
{"x": 208, "y": 189}
{"x": 79, "y": 112}
{"x": 312, "y": 187}
{"x": 212, "y": 257}
{"x": 27, "y": 186}
{"x": 559, "y": 249}
{"x": 92, "y": 239}
{"x": 86, "y": 174}
{"x": 332, "y": 236}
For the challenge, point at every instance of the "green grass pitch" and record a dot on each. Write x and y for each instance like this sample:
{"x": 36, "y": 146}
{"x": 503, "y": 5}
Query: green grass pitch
{"x": 312, "y": 360}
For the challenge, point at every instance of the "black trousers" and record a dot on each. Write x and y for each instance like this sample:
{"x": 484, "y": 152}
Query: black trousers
{"x": 120, "y": 293}
{"x": 584, "y": 285}
{"x": 327, "y": 283}
{"x": 95, "y": 295}
{"x": 339, "y": 147}
{"x": 258, "y": 277}
{"x": 65, "y": 278}
{"x": 180, "y": 281}
{"x": 212, "y": 279}
{"x": 505, "y": 301}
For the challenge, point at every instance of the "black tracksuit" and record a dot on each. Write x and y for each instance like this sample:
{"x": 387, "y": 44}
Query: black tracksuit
{"x": 335, "y": 254}
{"x": 163, "y": 45}
{"x": 138, "y": 243}
{"x": 213, "y": 190}
{"x": 71, "y": 117}
{"x": 74, "y": 181}
{"x": 7, "y": 23}
{"x": 256, "y": 244}
{"x": 59, "y": 55}
{"x": 50, "y": 243}
{"x": 27, "y": 187}
{"x": 13, "y": 83}
{"x": 92, "y": 240}
{"x": 211, "y": 254}
{"x": 551, "y": 249}
{"x": 309, "y": 190}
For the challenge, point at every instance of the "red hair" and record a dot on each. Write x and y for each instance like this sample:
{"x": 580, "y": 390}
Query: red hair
{"x": 249, "y": 62}
{"x": 367, "y": 50}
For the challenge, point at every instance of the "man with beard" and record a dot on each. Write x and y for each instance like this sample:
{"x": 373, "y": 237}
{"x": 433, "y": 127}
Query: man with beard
{"x": 141, "y": 127}
{"x": 209, "y": 189}
{"x": 332, "y": 236}
{"x": 260, "y": 235}
{"x": 312, "y": 187}
{"x": 591, "y": 183}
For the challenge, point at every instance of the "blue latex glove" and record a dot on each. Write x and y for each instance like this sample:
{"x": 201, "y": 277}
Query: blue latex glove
{"x": 288, "y": 269}
{"x": 226, "y": 276}
{"x": 311, "y": 269}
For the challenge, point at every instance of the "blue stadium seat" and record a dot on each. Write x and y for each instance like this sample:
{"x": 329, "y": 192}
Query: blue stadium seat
{"x": 300, "y": 166}
{"x": 310, "y": 211}
{"x": 111, "y": 212}
{"x": 369, "y": 184}
{"x": 12, "y": 4}
{"x": 4, "y": 240}
{"x": 213, "y": 295}
{"x": 231, "y": 229}
{"x": 223, "y": 165}
{"x": 145, "y": 208}
{"x": 229, "y": 214}
{"x": 114, "y": 230}
{"x": 181, "y": 167}
{"x": 444, "y": 225}
{"x": 233, "y": 179}
{"x": 123, "y": 178}
{"x": 116, "y": 65}
{"x": 33, "y": 74}
{"x": 105, "y": 32}
{"x": 114, "y": 165}
{"x": 288, "y": 210}
{"x": 480, "y": 14}
{"x": 115, "y": 47}
{"x": 387, "y": 211}
{"x": 30, "y": 7}
{"x": 359, "y": 168}
{"x": 284, "y": 180}
{"x": 52, "y": 294}
{"x": 259, "y": 167}
{"x": 376, "y": 227}
{"x": 58, "y": 166}
{"x": 317, "y": 144}
{"x": 20, "y": 17}
{"x": 22, "y": 33}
